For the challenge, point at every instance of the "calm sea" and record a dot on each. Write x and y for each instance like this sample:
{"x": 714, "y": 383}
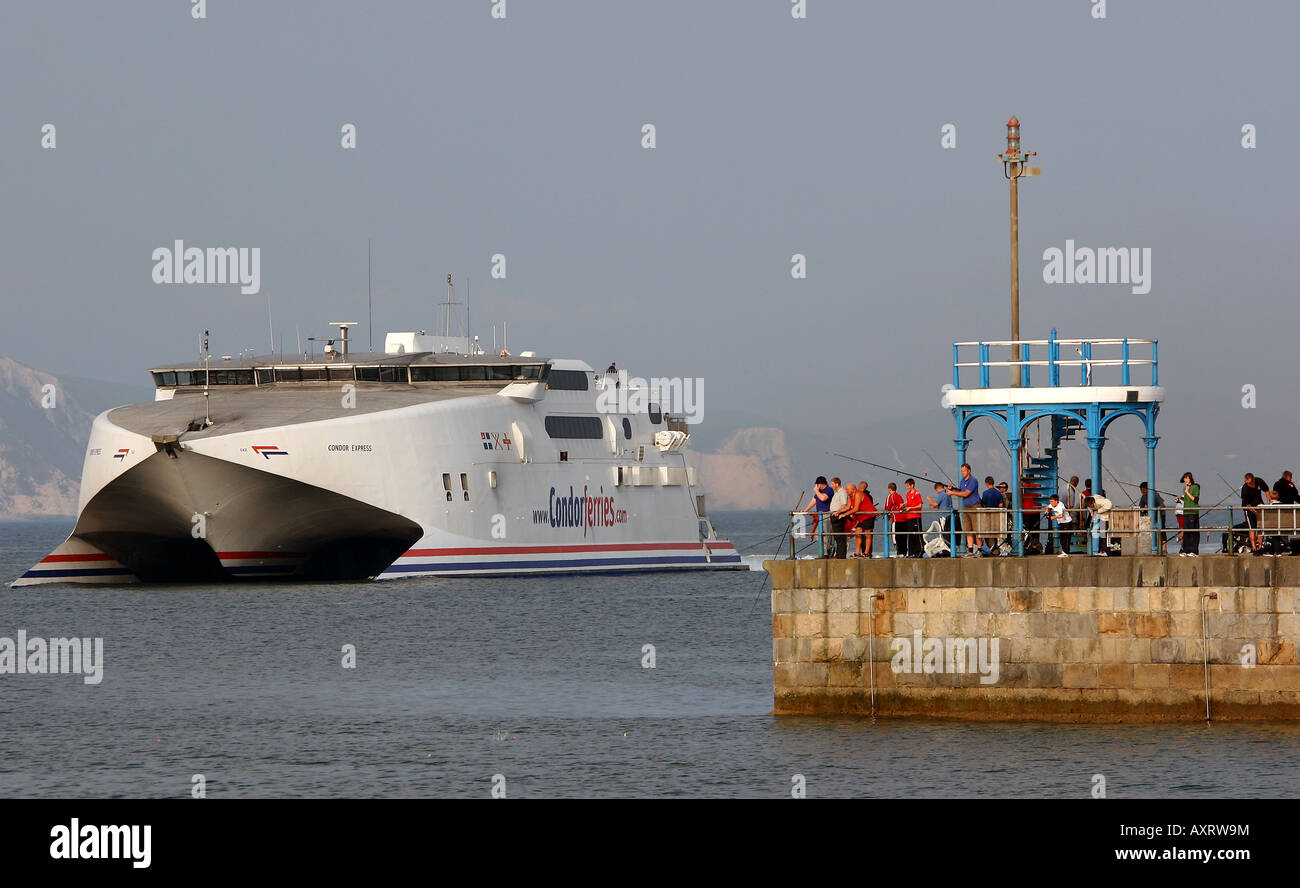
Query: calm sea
{"x": 538, "y": 680}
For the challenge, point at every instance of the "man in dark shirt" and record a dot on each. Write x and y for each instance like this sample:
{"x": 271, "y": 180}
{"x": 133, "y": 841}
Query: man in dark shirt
{"x": 1287, "y": 494}
{"x": 1160, "y": 513}
{"x": 1251, "y": 500}
{"x": 991, "y": 498}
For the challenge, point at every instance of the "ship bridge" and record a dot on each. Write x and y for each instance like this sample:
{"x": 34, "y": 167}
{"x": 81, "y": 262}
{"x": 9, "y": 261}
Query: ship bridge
{"x": 1078, "y": 387}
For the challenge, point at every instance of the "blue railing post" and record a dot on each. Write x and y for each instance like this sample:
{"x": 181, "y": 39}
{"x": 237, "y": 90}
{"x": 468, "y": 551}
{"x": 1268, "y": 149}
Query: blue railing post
{"x": 1155, "y": 362}
{"x": 956, "y": 371}
{"x": 984, "y": 366}
{"x": 1053, "y": 355}
{"x": 1124, "y": 367}
{"x": 1085, "y": 365}
{"x": 1024, "y": 367}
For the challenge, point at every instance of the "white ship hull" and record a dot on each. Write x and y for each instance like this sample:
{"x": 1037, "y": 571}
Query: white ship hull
{"x": 290, "y": 482}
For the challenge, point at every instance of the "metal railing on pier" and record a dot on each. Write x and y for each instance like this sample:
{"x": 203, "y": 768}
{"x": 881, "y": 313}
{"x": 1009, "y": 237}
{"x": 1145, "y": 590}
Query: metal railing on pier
{"x": 1088, "y": 355}
{"x": 938, "y": 533}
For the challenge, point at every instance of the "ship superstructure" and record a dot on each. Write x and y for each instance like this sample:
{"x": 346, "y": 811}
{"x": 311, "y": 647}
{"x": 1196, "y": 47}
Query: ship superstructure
{"x": 429, "y": 458}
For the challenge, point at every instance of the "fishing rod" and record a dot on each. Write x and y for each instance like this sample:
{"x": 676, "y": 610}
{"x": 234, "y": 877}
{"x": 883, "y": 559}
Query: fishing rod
{"x": 901, "y": 471}
{"x": 939, "y": 467}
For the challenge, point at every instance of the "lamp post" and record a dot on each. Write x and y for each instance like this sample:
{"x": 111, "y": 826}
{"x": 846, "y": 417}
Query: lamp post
{"x": 1013, "y": 167}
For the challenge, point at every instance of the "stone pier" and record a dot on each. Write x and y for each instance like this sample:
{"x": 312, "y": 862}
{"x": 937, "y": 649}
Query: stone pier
{"x": 1079, "y": 639}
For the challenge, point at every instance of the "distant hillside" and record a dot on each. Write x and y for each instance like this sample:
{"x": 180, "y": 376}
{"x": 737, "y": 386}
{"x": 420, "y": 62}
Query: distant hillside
{"x": 42, "y": 449}
{"x": 749, "y": 470}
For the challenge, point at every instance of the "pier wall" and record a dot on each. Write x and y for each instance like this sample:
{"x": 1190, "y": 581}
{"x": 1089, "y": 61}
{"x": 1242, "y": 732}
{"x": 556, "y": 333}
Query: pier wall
{"x": 1080, "y": 639}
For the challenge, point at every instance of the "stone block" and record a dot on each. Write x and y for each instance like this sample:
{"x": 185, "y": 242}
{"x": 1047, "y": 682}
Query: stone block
{"x": 845, "y": 674}
{"x": 1044, "y": 571}
{"x": 1284, "y": 600}
{"x": 782, "y": 625}
{"x": 960, "y": 599}
{"x": 1082, "y": 650}
{"x": 1151, "y": 675}
{"x": 1258, "y": 571}
{"x": 842, "y": 573}
{"x": 907, "y": 623}
{"x": 991, "y": 600}
{"x": 1184, "y": 624}
{"x": 1259, "y": 626}
{"x": 1115, "y": 675}
{"x": 942, "y": 572}
{"x": 907, "y": 573}
{"x": 1012, "y": 572}
{"x": 1147, "y": 570}
{"x": 1015, "y": 625}
{"x": 1222, "y": 571}
{"x": 934, "y": 625}
{"x": 1186, "y": 676}
{"x": 1222, "y": 625}
{"x": 1184, "y": 572}
{"x": 876, "y": 624}
{"x": 842, "y": 601}
{"x": 976, "y": 572}
{"x": 1288, "y": 625}
{"x": 782, "y": 600}
{"x": 921, "y": 601}
{"x": 1081, "y": 625}
{"x": 1113, "y": 571}
{"x": 809, "y": 625}
{"x": 1024, "y": 599}
{"x": 812, "y": 675}
{"x": 785, "y": 675}
{"x": 1280, "y": 653}
{"x": 1151, "y": 625}
{"x": 1112, "y": 623}
{"x": 810, "y": 573}
{"x": 1080, "y": 675}
{"x": 840, "y": 625}
{"x": 1286, "y": 572}
{"x": 1046, "y": 675}
{"x": 1168, "y": 650}
{"x": 783, "y": 650}
{"x": 781, "y": 572}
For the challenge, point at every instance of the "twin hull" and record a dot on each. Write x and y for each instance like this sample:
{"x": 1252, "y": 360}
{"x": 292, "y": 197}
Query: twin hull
{"x": 467, "y": 485}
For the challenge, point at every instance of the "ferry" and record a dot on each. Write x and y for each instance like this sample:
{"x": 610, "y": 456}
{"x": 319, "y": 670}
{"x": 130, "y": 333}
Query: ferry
{"x": 431, "y": 458}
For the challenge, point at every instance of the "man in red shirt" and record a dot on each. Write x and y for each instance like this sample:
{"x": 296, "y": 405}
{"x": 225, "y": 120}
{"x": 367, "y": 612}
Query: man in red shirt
{"x": 912, "y": 504}
{"x": 894, "y": 509}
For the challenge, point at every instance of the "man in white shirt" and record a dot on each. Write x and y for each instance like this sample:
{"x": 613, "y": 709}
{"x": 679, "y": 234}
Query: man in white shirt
{"x": 1099, "y": 507}
{"x": 1059, "y": 518}
{"x": 839, "y": 510}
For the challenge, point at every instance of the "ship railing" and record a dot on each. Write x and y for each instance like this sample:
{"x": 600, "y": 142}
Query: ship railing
{"x": 1128, "y": 529}
{"x": 1089, "y": 355}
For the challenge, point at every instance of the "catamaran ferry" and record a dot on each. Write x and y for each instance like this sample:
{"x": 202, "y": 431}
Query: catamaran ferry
{"x": 431, "y": 458}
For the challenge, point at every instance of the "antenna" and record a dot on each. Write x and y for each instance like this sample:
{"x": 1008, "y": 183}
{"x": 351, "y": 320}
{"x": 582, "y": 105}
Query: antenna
{"x": 471, "y": 350}
{"x": 269, "y": 326}
{"x": 370, "y": 305}
{"x": 298, "y": 327}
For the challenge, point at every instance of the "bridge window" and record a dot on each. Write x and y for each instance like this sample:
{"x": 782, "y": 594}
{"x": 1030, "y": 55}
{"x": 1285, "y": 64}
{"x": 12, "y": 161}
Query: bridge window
{"x": 569, "y": 380}
{"x": 575, "y": 427}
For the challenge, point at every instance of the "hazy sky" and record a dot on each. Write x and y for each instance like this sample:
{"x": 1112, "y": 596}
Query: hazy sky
{"x": 522, "y": 136}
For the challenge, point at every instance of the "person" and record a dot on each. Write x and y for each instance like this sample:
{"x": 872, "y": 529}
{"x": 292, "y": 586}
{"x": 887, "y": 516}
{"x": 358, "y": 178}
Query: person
{"x": 1287, "y": 494}
{"x": 968, "y": 497}
{"x": 991, "y": 498}
{"x": 1030, "y": 511}
{"x": 1159, "y": 505}
{"x": 1006, "y": 504}
{"x": 839, "y": 508}
{"x": 820, "y": 502}
{"x": 612, "y": 368}
{"x": 1085, "y": 517}
{"x": 1072, "y": 500}
{"x": 1251, "y": 499}
{"x": 1191, "y": 500}
{"x": 866, "y": 524}
{"x": 894, "y": 509}
{"x": 912, "y": 504}
{"x": 1058, "y": 517}
{"x": 942, "y": 503}
{"x": 1099, "y": 511}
